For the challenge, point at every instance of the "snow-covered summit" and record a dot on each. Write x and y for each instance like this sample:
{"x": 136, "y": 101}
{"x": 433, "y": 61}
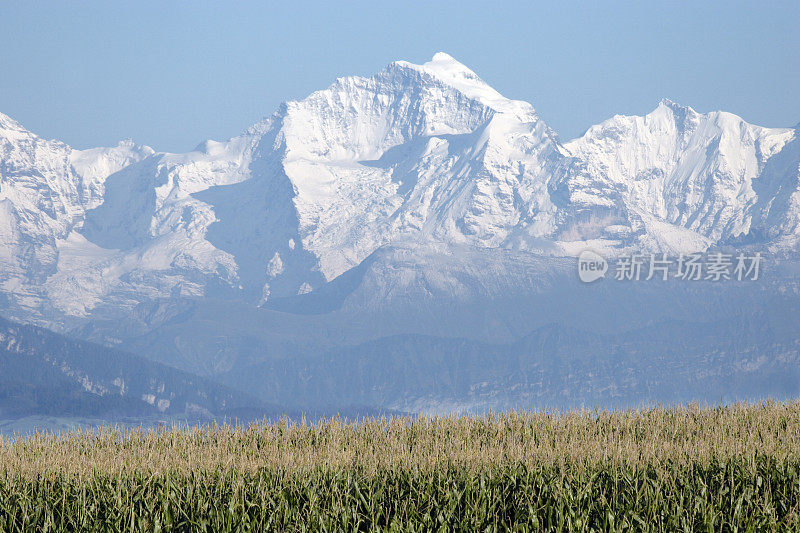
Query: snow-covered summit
{"x": 8, "y": 124}
{"x": 713, "y": 173}
{"x": 452, "y": 73}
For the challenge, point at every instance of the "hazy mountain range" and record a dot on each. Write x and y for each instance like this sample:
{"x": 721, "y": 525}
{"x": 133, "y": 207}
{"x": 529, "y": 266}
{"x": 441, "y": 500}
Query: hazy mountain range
{"x": 408, "y": 241}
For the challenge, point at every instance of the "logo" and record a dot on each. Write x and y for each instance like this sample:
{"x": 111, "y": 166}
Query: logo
{"x": 591, "y": 266}
{"x": 715, "y": 266}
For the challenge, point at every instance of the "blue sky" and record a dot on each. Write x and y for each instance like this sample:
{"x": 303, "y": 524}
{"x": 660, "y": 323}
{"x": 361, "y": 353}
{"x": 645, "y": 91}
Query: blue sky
{"x": 171, "y": 74}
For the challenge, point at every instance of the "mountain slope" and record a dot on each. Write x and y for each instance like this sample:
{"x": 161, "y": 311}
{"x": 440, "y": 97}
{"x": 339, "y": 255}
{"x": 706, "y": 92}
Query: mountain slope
{"x": 552, "y": 367}
{"x": 42, "y": 373}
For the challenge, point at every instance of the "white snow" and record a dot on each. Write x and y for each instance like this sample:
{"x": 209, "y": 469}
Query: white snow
{"x": 275, "y": 266}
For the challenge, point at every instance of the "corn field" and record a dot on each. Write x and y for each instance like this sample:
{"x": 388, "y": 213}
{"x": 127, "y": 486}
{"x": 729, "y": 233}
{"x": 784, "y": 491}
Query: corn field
{"x": 734, "y": 468}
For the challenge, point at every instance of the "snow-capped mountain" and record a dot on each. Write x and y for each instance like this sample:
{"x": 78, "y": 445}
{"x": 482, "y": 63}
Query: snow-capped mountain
{"x": 682, "y": 180}
{"x": 46, "y": 188}
{"x": 417, "y": 201}
{"x": 425, "y": 151}
{"x": 417, "y": 152}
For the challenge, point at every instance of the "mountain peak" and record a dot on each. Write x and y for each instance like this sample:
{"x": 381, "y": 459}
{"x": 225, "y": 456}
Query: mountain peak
{"x": 447, "y": 70}
{"x": 444, "y": 56}
{"x": 679, "y": 113}
{"x": 8, "y": 123}
{"x": 444, "y": 62}
{"x": 674, "y": 106}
